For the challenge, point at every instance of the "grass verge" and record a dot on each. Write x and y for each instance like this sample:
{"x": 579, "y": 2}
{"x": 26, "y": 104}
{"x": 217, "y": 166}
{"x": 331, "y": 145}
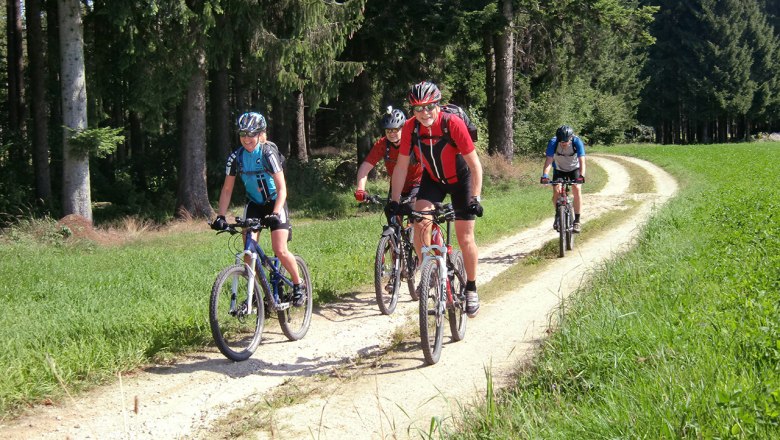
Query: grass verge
{"x": 678, "y": 338}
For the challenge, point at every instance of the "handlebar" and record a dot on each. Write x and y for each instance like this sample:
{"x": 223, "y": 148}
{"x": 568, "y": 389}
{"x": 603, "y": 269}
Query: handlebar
{"x": 563, "y": 182}
{"x": 254, "y": 224}
{"x": 376, "y": 200}
{"x": 441, "y": 212}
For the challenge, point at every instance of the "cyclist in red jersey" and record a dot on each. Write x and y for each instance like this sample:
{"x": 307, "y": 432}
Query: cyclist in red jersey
{"x": 444, "y": 146}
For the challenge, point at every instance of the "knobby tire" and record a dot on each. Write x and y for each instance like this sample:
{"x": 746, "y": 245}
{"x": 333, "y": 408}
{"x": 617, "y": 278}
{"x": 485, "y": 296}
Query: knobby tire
{"x": 431, "y": 312}
{"x": 456, "y": 313}
{"x": 237, "y": 335}
{"x": 562, "y": 220}
{"x": 295, "y": 321}
{"x": 387, "y": 272}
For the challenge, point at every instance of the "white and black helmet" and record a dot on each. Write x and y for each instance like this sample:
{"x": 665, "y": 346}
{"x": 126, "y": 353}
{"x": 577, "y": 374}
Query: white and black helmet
{"x": 394, "y": 118}
{"x": 251, "y": 122}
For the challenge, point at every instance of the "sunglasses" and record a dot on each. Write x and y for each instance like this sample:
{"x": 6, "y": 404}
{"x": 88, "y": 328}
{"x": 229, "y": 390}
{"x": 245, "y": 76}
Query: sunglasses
{"x": 245, "y": 133}
{"x": 429, "y": 107}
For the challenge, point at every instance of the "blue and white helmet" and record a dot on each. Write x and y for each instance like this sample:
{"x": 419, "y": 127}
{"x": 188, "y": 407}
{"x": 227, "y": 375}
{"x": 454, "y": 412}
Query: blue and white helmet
{"x": 251, "y": 122}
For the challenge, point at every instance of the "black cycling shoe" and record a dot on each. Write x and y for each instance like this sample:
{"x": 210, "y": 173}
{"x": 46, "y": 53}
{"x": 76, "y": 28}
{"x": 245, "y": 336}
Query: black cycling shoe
{"x": 299, "y": 295}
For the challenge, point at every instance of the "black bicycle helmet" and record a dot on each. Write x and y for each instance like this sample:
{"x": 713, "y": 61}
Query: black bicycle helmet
{"x": 564, "y": 133}
{"x": 394, "y": 118}
{"x": 251, "y": 122}
{"x": 424, "y": 93}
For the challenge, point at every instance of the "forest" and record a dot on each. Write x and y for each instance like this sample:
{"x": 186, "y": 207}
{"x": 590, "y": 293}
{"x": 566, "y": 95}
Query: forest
{"x": 128, "y": 107}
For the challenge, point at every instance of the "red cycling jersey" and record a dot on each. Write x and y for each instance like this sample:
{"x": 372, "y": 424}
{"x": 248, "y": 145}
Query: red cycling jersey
{"x": 383, "y": 149}
{"x": 443, "y": 160}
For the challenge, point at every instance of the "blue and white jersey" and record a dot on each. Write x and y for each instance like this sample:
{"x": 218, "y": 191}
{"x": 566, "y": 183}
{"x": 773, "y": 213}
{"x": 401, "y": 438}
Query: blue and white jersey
{"x": 565, "y": 158}
{"x": 256, "y": 170}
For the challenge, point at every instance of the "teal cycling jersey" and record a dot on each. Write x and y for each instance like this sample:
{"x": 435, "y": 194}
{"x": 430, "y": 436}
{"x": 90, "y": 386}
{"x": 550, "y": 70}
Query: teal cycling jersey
{"x": 256, "y": 170}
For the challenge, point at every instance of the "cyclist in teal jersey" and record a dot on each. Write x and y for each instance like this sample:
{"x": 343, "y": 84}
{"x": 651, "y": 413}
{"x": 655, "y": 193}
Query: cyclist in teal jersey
{"x": 259, "y": 165}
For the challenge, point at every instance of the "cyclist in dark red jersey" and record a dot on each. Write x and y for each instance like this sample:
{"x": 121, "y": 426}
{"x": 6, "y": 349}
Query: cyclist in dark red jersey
{"x": 444, "y": 146}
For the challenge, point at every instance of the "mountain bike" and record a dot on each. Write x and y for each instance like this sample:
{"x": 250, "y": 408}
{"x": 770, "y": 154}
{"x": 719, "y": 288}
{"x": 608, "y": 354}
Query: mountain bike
{"x": 395, "y": 261}
{"x": 564, "y": 210}
{"x": 238, "y": 308}
{"x": 442, "y": 284}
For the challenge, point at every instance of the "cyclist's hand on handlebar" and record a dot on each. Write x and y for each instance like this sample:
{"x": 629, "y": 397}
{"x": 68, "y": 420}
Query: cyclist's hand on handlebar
{"x": 361, "y": 195}
{"x": 271, "y": 220}
{"x": 475, "y": 207}
{"x": 580, "y": 179}
{"x": 220, "y": 224}
{"x": 545, "y": 179}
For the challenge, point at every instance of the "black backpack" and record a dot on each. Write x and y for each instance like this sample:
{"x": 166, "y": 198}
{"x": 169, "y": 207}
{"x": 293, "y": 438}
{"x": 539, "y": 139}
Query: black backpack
{"x": 456, "y": 110}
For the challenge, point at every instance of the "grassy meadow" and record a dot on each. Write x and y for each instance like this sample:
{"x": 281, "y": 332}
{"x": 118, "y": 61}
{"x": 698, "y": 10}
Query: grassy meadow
{"x": 74, "y": 314}
{"x": 678, "y": 338}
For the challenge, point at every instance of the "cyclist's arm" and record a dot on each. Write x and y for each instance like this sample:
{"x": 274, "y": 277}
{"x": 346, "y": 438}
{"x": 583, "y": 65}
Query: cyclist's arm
{"x": 547, "y": 165}
{"x": 582, "y": 165}
{"x": 226, "y": 194}
{"x": 281, "y": 191}
{"x": 399, "y": 177}
{"x": 472, "y": 160}
{"x": 362, "y": 175}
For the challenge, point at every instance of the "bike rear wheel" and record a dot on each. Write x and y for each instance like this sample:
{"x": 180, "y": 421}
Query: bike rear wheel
{"x": 456, "y": 313}
{"x": 387, "y": 275}
{"x": 562, "y": 227}
{"x": 236, "y": 332}
{"x": 295, "y": 321}
{"x": 410, "y": 268}
{"x": 431, "y": 312}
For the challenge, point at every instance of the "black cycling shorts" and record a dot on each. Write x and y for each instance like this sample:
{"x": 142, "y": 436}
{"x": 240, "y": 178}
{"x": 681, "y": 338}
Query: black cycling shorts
{"x": 253, "y": 210}
{"x": 460, "y": 193}
{"x": 573, "y": 175}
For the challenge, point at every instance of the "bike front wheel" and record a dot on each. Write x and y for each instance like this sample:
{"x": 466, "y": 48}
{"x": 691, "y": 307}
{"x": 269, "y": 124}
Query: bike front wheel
{"x": 562, "y": 227}
{"x": 236, "y": 330}
{"x": 456, "y": 313}
{"x": 295, "y": 321}
{"x": 569, "y": 230}
{"x": 387, "y": 275}
{"x": 431, "y": 312}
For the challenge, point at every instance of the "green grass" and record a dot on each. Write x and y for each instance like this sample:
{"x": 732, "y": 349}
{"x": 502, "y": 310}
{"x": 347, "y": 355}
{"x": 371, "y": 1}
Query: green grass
{"x": 75, "y": 314}
{"x": 679, "y": 338}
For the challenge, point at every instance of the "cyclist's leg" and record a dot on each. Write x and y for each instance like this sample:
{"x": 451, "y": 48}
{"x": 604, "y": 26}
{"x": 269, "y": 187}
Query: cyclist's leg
{"x": 430, "y": 193}
{"x": 461, "y": 194}
{"x": 251, "y": 210}
{"x": 279, "y": 235}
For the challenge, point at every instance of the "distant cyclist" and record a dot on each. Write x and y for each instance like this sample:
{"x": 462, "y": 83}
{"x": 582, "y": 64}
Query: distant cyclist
{"x": 451, "y": 166}
{"x": 566, "y": 154}
{"x": 259, "y": 165}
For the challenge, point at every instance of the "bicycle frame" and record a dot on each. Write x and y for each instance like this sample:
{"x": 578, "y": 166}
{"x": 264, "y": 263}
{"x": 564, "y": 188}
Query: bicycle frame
{"x": 439, "y": 251}
{"x": 258, "y": 260}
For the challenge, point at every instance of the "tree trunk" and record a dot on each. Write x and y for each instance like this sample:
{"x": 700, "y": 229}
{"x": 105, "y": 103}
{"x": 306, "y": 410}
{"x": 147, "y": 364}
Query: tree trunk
{"x": 192, "y": 198}
{"x": 221, "y": 114}
{"x": 299, "y": 141}
{"x": 76, "y": 198}
{"x": 38, "y": 103}
{"x": 54, "y": 96}
{"x": 137, "y": 150}
{"x": 15, "y": 66}
{"x": 490, "y": 91}
{"x": 505, "y": 95}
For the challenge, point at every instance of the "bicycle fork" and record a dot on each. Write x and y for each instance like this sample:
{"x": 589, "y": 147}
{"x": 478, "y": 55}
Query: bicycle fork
{"x": 250, "y": 288}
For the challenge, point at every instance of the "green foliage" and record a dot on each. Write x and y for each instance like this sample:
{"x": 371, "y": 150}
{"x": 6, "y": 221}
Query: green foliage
{"x": 99, "y": 142}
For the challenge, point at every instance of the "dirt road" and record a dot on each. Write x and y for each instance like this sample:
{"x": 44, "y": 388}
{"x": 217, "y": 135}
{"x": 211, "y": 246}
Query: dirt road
{"x": 389, "y": 395}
